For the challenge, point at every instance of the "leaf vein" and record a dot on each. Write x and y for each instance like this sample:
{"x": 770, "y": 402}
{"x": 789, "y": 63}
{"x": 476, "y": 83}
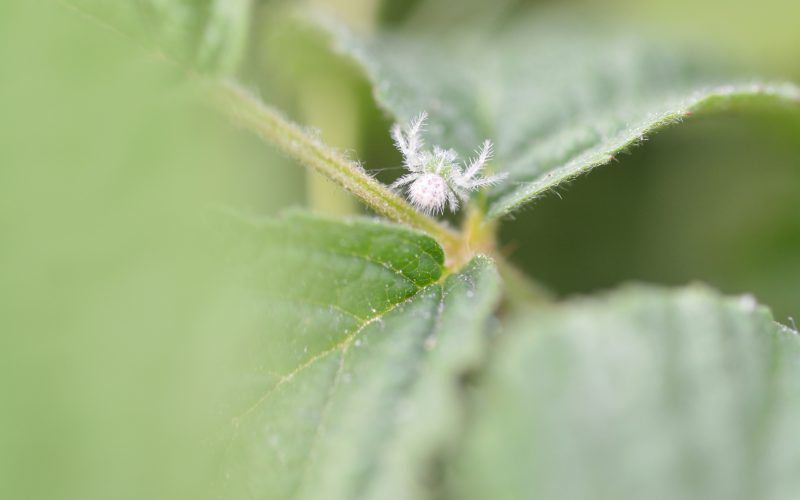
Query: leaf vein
{"x": 343, "y": 344}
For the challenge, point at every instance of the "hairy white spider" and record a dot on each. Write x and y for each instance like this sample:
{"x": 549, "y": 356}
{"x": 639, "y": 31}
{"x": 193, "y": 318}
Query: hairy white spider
{"x": 435, "y": 179}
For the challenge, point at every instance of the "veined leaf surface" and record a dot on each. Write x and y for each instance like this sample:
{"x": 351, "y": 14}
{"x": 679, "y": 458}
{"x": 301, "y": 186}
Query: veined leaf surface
{"x": 556, "y": 96}
{"x": 355, "y": 390}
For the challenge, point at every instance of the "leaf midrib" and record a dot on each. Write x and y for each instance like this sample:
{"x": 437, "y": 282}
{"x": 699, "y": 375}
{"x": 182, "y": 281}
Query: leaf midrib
{"x": 435, "y": 322}
{"x": 342, "y": 344}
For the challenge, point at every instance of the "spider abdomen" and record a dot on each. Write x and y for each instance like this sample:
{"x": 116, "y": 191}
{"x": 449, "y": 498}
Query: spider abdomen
{"x": 429, "y": 193}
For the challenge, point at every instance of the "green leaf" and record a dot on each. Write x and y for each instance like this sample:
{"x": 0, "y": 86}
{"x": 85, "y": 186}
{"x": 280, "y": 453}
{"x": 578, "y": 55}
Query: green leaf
{"x": 210, "y": 35}
{"x": 556, "y": 96}
{"x": 646, "y": 393}
{"x": 364, "y": 351}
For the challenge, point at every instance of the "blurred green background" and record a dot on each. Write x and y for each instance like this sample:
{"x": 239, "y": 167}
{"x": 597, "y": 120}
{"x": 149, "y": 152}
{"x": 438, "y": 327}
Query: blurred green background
{"x": 114, "y": 334}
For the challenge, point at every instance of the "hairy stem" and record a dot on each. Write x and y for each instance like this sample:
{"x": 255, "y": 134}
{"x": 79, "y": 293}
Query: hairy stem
{"x": 251, "y": 113}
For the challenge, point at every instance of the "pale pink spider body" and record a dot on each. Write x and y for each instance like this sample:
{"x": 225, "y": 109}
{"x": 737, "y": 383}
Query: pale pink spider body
{"x": 435, "y": 179}
{"x": 429, "y": 191}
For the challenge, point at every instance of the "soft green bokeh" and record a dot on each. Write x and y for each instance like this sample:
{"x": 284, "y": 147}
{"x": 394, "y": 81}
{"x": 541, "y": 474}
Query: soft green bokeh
{"x": 110, "y": 172}
{"x": 120, "y": 325}
{"x": 639, "y": 393}
{"x": 714, "y": 199}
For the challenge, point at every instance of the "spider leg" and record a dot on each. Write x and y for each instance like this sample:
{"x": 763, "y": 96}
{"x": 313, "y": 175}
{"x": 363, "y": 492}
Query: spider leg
{"x": 472, "y": 184}
{"x": 417, "y": 162}
{"x": 417, "y": 123}
{"x": 406, "y": 179}
{"x": 414, "y": 141}
{"x": 484, "y": 155}
{"x": 399, "y": 139}
{"x": 452, "y": 200}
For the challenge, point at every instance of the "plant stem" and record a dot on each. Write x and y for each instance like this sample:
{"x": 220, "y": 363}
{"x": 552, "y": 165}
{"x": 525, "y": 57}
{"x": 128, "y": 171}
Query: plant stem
{"x": 251, "y": 113}
{"x": 477, "y": 235}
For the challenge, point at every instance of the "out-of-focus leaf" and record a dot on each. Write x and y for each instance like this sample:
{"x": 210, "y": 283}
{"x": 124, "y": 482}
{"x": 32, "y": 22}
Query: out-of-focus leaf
{"x": 356, "y": 387}
{"x": 646, "y": 393}
{"x": 208, "y": 34}
{"x": 108, "y": 168}
{"x": 557, "y": 96}
{"x": 735, "y": 224}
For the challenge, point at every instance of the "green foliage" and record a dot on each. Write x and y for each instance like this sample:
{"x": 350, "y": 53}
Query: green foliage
{"x": 154, "y": 354}
{"x": 640, "y": 393}
{"x": 355, "y": 389}
{"x": 558, "y": 97}
{"x": 108, "y": 166}
{"x": 210, "y": 35}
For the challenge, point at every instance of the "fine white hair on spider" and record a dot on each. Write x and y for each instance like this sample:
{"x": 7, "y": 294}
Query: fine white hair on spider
{"x": 435, "y": 179}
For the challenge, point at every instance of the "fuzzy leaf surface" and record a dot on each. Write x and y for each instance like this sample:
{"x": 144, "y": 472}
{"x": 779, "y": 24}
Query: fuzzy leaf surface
{"x": 646, "y": 393}
{"x": 558, "y": 97}
{"x": 207, "y": 34}
{"x": 354, "y": 390}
